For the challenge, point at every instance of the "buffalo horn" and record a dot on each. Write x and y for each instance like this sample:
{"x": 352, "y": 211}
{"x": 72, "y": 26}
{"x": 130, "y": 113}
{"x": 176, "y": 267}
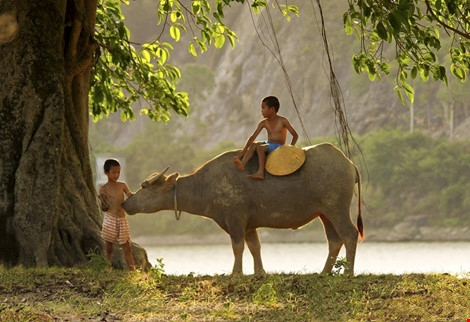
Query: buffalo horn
{"x": 154, "y": 177}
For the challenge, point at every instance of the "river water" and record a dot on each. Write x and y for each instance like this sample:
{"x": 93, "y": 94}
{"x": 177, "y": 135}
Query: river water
{"x": 303, "y": 258}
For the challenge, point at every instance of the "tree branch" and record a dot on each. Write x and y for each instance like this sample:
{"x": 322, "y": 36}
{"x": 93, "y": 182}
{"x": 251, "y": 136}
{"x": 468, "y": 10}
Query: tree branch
{"x": 442, "y": 23}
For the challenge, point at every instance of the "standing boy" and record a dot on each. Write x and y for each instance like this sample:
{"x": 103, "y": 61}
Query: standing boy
{"x": 115, "y": 224}
{"x": 276, "y": 126}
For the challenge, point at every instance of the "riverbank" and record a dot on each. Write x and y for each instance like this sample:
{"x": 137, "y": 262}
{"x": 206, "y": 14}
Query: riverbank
{"x": 97, "y": 294}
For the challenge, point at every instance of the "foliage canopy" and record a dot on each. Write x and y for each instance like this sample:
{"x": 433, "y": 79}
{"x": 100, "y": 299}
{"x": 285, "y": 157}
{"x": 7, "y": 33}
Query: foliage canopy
{"x": 127, "y": 72}
{"x": 404, "y": 35}
{"x": 415, "y": 31}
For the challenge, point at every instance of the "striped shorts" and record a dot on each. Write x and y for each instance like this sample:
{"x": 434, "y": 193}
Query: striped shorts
{"x": 115, "y": 229}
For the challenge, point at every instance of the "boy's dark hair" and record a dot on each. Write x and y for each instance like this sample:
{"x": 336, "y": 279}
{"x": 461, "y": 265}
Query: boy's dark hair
{"x": 272, "y": 101}
{"x": 110, "y": 163}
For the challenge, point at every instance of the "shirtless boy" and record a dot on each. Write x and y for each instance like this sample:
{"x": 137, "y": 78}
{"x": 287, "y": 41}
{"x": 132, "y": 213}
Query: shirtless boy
{"x": 115, "y": 224}
{"x": 276, "y": 126}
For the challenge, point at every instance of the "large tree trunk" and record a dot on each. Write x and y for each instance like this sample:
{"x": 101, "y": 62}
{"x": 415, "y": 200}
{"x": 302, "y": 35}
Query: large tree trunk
{"x": 48, "y": 209}
{"x": 49, "y": 214}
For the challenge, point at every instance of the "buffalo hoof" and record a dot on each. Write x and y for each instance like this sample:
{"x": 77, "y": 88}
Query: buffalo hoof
{"x": 260, "y": 272}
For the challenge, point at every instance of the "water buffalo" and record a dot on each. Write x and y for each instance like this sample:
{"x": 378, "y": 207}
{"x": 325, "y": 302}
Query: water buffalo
{"x": 323, "y": 187}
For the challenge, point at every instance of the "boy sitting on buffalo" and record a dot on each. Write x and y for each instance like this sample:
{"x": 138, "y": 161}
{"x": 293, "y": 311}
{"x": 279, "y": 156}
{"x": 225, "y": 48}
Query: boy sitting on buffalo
{"x": 276, "y": 126}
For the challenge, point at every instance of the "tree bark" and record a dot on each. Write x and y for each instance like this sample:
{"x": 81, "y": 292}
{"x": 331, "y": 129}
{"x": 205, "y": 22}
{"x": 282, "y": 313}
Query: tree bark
{"x": 48, "y": 209}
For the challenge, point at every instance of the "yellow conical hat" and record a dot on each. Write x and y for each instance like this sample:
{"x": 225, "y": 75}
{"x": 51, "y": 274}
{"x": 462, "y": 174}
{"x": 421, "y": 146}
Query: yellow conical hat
{"x": 285, "y": 160}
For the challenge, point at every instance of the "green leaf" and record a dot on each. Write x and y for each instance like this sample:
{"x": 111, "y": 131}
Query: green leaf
{"x": 430, "y": 57}
{"x": 409, "y": 91}
{"x": 394, "y": 21}
{"x": 220, "y": 10}
{"x": 347, "y": 24}
{"x": 441, "y": 73}
{"x": 146, "y": 55}
{"x": 404, "y": 5}
{"x": 219, "y": 41}
{"x": 424, "y": 73}
{"x": 232, "y": 39}
{"x": 192, "y": 49}
{"x": 399, "y": 94}
{"x": 458, "y": 72}
{"x": 414, "y": 72}
{"x": 196, "y": 7}
{"x": 371, "y": 67}
{"x": 175, "y": 33}
{"x": 166, "y": 6}
{"x": 381, "y": 31}
{"x": 218, "y": 35}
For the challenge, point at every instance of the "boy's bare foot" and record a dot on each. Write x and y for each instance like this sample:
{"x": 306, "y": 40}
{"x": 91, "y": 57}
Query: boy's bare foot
{"x": 238, "y": 163}
{"x": 256, "y": 176}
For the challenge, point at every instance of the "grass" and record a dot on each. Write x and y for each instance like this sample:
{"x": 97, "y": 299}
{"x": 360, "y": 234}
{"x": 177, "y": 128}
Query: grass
{"x": 88, "y": 293}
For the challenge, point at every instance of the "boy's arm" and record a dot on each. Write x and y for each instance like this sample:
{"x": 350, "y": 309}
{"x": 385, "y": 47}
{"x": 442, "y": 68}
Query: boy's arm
{"x": 292, "y": 131}
{"x": 104, "y": 206}
{"x": 126, "y": 190}
{"x": 253, "y": 137}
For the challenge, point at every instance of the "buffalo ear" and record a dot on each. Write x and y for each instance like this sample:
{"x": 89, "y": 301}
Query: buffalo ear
{"x": 170, "y": 181}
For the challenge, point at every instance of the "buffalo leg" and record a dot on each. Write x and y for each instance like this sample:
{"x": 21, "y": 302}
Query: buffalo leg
{"x": 254, "y": 245}
{"x": 334, "y": 244}
{"x": 348, "y": 234}
{"x": 238, "y": 245}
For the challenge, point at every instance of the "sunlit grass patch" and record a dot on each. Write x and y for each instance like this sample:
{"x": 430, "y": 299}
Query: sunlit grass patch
{"x": 45, "y": 294}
